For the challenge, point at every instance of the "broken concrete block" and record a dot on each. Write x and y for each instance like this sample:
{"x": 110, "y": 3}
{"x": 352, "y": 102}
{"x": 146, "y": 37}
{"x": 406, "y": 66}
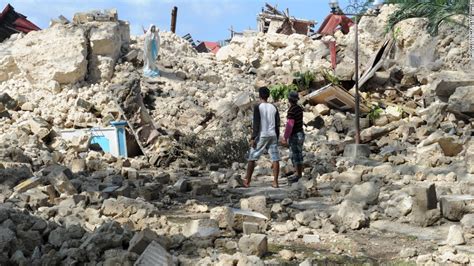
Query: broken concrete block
{"x": 365, "y": 193}
{"x": 78, "y": 165}
{"x": 350, "y": 214}
{"x": 36, "y": 198}
{"x": 462, "y": 100}
{"x": 8, "y": 101}
{"x": 455, "y": 236}
{"x": 83, "y": 104}
{"x": 39, "y": 125}
{"x": 201, "y": 187}
{"x": 27, "y": 184}
{"x": 131, "y": 56}
{"x": 424, "y": 209}
{"x": 60, "y": 180}
{"x": 223, "y": 215}
{"x": 311, "y": 239}
{"x": 255, "y": 244}
{"x": 154, "y": 254}
{"x": 130, "y": 173}
{"x": 142, "y": 239}
{"x": 453, "y": 207}
{"x": 250, "y": 228}
{"x": 201, "y": 228}
{"x": 255, "y": 203}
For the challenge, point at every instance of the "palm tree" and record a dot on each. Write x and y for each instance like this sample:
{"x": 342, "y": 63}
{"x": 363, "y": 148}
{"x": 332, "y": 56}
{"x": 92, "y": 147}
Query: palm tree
{"x": 436, "y": 11}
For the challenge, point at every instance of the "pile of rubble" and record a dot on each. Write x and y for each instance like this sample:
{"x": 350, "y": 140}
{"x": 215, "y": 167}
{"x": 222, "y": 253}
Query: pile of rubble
{"x": 63, "y": 202}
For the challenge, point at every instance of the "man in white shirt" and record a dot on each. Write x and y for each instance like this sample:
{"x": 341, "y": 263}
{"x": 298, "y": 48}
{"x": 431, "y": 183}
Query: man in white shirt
{"x": 265, "y": 135}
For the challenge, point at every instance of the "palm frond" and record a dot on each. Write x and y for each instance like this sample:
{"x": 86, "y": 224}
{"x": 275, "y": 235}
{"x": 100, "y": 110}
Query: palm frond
{"x": 436, "y": 11}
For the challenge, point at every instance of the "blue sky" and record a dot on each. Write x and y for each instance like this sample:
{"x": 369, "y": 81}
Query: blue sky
{"x": 204, "y": 19}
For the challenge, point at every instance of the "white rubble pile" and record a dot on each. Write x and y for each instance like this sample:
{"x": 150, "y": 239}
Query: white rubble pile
{"x": 63, "y": 203}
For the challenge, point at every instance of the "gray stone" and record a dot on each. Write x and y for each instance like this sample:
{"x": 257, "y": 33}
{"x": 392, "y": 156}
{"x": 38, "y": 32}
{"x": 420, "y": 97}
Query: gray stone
{"x": 255, "y": 244}
{"x": 462, "y": 100}
{"x": 453, "y": 207}
{"x": 202, "y": 228}
{"x": 154, "y": 254}
{"x": 365, "y": 193}
{"x": 6, "y": 236}
{"x": 142, "y": 239}
{"x": 78, "y": 165}
{"x": 255, "y": 203}
{"x": 311, "y": 239}
{"x": 424, "y": 209}
{"x": 455, "y": 236}
{"x": 305, "y": 217}
{"x": 350, "y": 214}
{"x": 8, "y": 101}
{"x": 84, "y": 105}
{"x": 59, "y": 178}
{"x": 408, "y": 253}
{"x": 223, "y": 215}
{"x": 468, "y": 222}
{"x": 357, "y": 151}
{"x": 448, "y": 81}
{"x": 286, "y": 254}
{"x": 250, "y": 228}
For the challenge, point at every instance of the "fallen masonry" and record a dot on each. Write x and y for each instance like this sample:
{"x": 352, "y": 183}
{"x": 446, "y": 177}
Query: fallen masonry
{"x": 178, "y": 198}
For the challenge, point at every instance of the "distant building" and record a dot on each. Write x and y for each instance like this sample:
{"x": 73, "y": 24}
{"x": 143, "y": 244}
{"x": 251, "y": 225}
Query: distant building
{"x": 272, "y": 20}
{"x": 208, "y": 47}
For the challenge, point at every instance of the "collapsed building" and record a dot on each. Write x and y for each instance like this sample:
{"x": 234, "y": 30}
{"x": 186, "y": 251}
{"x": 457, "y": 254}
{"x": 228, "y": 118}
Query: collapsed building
{"x": 12, "y": 22}
{"x": 271, "y": 20}
{"x": 180, "y": 201}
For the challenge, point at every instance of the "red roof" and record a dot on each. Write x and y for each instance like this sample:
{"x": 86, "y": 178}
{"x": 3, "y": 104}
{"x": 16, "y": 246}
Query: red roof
{"x": 332, "y": 22}
{"x": 12, "y": 22}
{"x": 208, "y": 47}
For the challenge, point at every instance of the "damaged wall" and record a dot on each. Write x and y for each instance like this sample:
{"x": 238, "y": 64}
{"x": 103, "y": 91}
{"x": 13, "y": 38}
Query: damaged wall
{"x": 67, "y": 53}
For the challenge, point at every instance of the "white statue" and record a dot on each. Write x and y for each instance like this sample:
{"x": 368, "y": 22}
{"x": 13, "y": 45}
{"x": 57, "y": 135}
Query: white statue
{"x": 151, "y": 51}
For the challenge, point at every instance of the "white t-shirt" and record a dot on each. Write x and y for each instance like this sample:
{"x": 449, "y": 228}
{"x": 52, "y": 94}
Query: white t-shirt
{"x": 267, "y": 119}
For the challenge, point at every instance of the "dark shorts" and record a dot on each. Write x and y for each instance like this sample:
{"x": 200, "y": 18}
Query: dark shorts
{"x": 296, "y": 148}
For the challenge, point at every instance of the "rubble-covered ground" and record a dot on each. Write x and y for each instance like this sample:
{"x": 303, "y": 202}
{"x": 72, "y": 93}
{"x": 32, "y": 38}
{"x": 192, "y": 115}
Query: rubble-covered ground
{"x": 411, "y": 201}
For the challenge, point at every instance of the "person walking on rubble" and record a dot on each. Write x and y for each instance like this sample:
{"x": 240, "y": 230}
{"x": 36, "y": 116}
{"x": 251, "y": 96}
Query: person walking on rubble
{"x": 151, "y": 50}
{"x": 294, "y": 135}
{"x": 265, "y": 135}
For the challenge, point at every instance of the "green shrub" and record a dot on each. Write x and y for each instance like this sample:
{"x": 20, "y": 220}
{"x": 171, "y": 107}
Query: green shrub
{"x": 330, "y": 77}
{"x": 304, "y": 79}
{"x": 224, "y": 150}
{"x": 375, "y": 112}
{"x": 280, "y": 91}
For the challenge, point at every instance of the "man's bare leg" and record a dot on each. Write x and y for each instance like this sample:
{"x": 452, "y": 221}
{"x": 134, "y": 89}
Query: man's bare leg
{"x": 248, "y": 176}
{"x": 299, "y": 170}
{"x": 276, "y": 173}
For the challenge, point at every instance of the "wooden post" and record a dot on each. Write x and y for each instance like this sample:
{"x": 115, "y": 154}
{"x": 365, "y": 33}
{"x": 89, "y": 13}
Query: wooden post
{"x": 174, "y": 15}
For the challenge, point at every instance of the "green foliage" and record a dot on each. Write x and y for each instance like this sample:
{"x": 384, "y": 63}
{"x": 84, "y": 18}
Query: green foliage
{"x": 436, "y": 11}
{"x": 304, "y": 79}
{"x": 280, "y": 91}
{"x": 330, "y": 77}
{"x": 396, "y": 33}
{"x": 375, "y": 112}
{"x": 224, "y": 150}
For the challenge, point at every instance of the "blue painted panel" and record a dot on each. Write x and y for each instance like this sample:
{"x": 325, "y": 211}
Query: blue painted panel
{"x": 102, "y": 141}
{"x": 122, "y": 141}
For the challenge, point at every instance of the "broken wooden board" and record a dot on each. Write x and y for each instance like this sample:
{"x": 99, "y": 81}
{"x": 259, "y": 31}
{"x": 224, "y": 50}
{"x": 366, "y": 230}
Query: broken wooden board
{"x": 376, "y": 62}
{"x": 335, "y": 97}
